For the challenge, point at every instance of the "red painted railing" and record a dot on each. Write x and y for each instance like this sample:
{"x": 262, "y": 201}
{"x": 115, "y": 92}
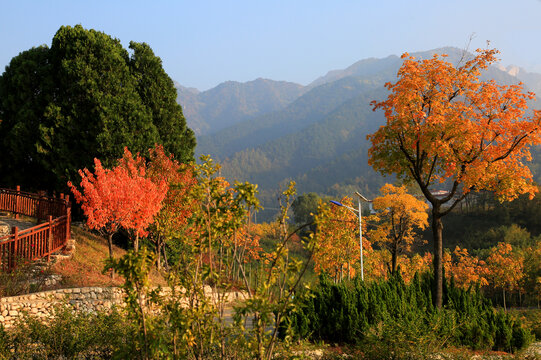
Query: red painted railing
{"x": 41, "y": 240}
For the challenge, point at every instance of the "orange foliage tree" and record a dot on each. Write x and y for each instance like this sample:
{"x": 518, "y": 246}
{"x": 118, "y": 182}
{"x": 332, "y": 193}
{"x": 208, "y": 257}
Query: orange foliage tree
{"x": 465, "y": 269}
{"x": 374, "y": 263}
{"x": 120, "y": 197}
{"x": 445, "y": 126}
{"x": 375, "y": 268}
{"x": 399, "y": 214}
{"x": 414, "y": 264}
{"x": 178, "y": 205}
{"x": 506, "y": 268}
{"x": 246, "y": 243}
{"x": 337, "y": 240}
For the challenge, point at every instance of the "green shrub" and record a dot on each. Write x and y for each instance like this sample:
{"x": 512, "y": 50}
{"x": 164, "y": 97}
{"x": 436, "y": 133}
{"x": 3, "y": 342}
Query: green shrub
{"x": 398, "y": 318}
{"x": 68, "y": 334}
{"x": 4, "y": 343}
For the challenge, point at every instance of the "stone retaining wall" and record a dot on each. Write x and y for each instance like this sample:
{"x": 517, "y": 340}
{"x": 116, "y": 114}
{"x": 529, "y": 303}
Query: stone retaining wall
{"x": 41, "y": 304}
{"x": 85, "y": 299}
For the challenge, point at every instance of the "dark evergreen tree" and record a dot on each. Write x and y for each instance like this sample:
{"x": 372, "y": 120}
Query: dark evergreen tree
{"x": 389, "y": 312}
{"x": 84, "y": 98}
{"x": 26, "y": 87}
{"x": 158, "y": 93}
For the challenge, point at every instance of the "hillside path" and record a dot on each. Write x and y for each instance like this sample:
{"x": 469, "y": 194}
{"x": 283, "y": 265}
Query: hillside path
{"x": 7, "y": 222}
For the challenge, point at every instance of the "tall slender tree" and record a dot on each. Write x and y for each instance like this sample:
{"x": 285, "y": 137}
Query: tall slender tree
{"x": 506, "y": 268}
{"x": 158, "y": 93}
{"x": 337, "y": 240}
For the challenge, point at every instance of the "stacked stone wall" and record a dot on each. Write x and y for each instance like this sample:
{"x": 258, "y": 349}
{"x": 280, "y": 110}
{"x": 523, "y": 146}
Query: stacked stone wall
{"x": 90, "y": 299}
{"x": 41, "y": 304}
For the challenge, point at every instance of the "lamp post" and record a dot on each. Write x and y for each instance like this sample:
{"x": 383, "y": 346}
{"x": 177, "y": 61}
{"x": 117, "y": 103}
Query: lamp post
{"x": 359, "y": 214}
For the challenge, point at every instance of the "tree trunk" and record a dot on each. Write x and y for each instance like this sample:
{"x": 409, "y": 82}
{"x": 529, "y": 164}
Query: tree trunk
{"x": 136, "y": 243}
{"x": 165, "y": 257}
{"x": 394, "y": 255}
{"x": 437, "y": 227}
{"x": 110, "y": 242}
{"x": 159, "y": 253}
{"x": 143, "y": 322}
{"x": 504, "y": 305}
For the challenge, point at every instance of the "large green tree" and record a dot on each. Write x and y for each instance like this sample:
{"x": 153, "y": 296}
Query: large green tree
{"x": 25, "y": 90}
{"x": 85, "y": 97}
{"x": 159, "y": 94}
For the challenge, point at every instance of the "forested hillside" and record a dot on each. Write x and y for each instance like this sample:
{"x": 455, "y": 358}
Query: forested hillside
{"x": 328, "y": 152}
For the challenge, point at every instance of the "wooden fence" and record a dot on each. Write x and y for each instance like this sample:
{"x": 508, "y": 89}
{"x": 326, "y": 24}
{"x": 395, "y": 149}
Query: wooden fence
{"x": 41, "y": 240}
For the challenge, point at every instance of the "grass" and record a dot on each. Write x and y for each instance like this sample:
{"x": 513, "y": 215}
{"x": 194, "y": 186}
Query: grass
{"x": 85, "y": 267}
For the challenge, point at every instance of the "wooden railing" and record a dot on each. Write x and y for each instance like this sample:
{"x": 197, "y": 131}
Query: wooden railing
{"x": 41, "y": 240}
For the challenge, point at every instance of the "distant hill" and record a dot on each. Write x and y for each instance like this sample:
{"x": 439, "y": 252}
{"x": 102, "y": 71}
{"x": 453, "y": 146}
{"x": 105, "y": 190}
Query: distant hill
{"x": 309, "y": 108}
{"x": 530, "y": 80}
{"x": 322, "y": 157}
{"x": 319, "y": 138}
{"x": 232, "y": 102}
{"x": 386, "y": 68}
{"x": 383, "y": 68}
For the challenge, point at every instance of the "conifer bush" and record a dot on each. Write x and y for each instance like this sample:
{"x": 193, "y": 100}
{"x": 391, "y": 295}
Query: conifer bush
{"x": 394, "y": 316}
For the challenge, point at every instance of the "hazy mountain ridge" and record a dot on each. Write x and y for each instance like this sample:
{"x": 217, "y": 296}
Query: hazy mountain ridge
{"x": 232, "y": 101}
{"x": 530, "y": 79}
{"x": 312, "y": 150}
{"x": 366, "y": 67}
{"x": 387, "y": 68}
{"x": 309, "y": 108}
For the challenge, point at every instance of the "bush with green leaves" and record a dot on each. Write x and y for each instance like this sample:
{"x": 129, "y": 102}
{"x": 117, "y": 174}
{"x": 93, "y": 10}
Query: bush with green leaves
{"x": 67, "y": 334}
{"x": 395, "y": 316}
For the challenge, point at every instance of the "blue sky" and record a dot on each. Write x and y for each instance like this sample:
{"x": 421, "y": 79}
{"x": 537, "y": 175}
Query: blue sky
{"x": 203, "y": 43}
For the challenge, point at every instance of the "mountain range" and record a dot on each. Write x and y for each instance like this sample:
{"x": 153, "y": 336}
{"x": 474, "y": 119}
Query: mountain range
{"x": 268, "y": 132}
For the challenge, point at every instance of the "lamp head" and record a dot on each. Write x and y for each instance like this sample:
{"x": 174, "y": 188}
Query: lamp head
{"x": 362, "y": 197}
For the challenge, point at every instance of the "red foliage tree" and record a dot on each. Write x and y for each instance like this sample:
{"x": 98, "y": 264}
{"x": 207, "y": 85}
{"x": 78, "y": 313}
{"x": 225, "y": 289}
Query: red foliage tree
{"x": 120, "y": 197}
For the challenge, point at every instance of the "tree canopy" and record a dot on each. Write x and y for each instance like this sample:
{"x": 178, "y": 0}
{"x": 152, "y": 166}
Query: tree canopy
{"x": 445, "y": 126}
{"x": 124, "y": 196}
{"x": 85, "y": 97}
{"x": 305, "y": 207}
{"x": 399, "y": 215}
{"x": 337, "y": 240}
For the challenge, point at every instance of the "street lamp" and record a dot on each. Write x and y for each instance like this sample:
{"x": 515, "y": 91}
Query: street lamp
{"x": 359, "y": 213}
